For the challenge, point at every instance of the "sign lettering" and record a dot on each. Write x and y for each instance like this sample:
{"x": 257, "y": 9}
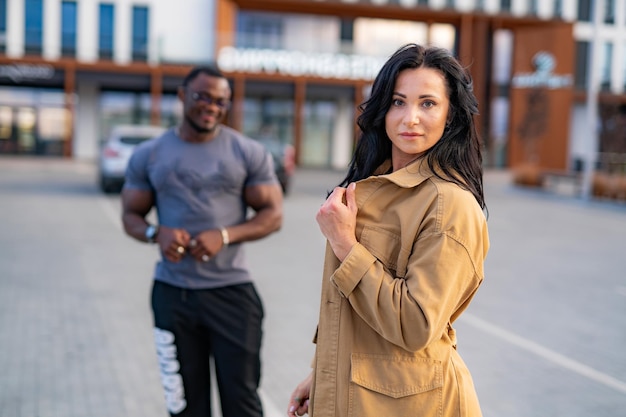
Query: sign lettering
{"x": 544, "y": 63}
{"x": 19, "y": 72}
{"x": 296, "y": 63}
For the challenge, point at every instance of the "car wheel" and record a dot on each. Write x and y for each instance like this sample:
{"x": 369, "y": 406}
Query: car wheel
{"x": 285, "y": 186}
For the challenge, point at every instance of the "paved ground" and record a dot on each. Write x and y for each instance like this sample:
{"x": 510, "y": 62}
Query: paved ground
{"x": 544, "y": 337}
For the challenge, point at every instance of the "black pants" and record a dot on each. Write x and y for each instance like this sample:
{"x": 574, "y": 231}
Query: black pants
{"x": 193, "y": 325}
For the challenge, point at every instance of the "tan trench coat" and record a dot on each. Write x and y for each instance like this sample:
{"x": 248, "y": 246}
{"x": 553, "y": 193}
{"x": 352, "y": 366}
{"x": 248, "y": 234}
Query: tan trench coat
{"x": 385, "y": 344}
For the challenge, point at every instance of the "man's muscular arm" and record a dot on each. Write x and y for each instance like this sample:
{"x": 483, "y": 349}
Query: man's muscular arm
{"x": 267, "y": 202}
{"x": 136, "y": 204}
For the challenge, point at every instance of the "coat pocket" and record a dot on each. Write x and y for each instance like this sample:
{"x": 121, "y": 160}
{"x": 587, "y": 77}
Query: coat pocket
{"x": 391, "y": 385}
{"x": 385, "y": 245}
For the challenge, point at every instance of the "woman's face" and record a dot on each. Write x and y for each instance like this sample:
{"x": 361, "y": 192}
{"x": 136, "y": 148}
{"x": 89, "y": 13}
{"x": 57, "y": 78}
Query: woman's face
{"x": 418, "y": 113}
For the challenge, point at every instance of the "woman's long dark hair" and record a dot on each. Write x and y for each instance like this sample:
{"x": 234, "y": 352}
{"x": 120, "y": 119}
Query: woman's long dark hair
{"x": 457, "y": 154}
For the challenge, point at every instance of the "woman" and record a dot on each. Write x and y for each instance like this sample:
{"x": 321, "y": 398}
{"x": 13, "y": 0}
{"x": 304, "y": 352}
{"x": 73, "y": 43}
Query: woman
{"x": 407, "y": 238}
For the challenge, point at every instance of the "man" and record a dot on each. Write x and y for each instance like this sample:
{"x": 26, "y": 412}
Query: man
{"x": 202, "y": 177}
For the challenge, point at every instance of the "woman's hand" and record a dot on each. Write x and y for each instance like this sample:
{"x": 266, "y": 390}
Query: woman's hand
{"x": 337, "y": 220}
{"x": 299, "y": 400}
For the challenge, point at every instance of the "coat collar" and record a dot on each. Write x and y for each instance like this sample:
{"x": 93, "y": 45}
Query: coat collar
{"x": 408, "y": 177}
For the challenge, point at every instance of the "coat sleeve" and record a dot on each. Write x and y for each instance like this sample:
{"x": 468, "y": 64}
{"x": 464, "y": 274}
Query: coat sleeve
{"x": 443, "y": 273}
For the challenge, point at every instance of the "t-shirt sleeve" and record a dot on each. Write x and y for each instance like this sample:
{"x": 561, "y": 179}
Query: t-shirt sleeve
{"x": 136, "y": 176}
{"x": 260, "y": 166}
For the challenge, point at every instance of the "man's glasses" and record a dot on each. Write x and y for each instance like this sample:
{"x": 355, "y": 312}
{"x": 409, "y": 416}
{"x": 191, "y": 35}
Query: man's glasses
{"x": 222, "y": 103}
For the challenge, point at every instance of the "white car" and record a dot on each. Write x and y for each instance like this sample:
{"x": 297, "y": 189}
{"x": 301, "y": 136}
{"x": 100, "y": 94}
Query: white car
{"x": 116, "y": 151}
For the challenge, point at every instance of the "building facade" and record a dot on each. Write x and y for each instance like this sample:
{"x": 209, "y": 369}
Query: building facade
{"x": 71, "y": 69}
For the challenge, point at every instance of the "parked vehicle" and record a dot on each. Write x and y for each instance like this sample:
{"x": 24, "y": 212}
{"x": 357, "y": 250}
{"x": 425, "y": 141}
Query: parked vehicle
{"x": 284, "y": 160}
{"x": 116, "y": 151}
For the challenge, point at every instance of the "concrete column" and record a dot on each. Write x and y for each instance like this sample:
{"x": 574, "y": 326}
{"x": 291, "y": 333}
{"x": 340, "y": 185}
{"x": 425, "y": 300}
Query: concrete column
{"x": 122, "y": 37}
{"x": 52, "y": 30}
{"x": 15, "y": 28}
{"x": 593, "y": 85}
{"x": 87, "y": 27}
{"x": 86, "y": 122}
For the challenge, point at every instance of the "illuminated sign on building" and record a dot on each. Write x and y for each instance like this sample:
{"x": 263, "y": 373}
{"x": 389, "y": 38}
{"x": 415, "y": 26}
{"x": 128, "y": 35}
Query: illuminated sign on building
{"x": 544, "y": 63}
{"x": 296, "y": 63}
{"x": 19, "y": 72}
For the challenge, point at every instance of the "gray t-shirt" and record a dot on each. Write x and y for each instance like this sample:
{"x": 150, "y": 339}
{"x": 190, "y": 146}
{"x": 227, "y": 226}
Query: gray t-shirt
{"x": 199, "y": 186}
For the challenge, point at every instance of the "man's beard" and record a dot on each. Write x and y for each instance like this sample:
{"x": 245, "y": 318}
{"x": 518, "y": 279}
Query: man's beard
{"x": 199, "y": 129}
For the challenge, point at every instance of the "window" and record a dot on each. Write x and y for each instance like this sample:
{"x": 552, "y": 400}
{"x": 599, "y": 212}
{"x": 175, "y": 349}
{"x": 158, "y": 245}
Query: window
{"x": 450, "y": 3}
{"x": 346, "y": 31}
{"x": 505, "y": 5}
{"x": 33, "y": 26}
{"x": 422, "y": 2}
{"x": 117, "y": 107}
{"x": 607, "y": 63}
{"x": 609, "y": 12}
{"x": 346, "y": 35}
{"x": 584, "y": 10}
{"x": 534, "y": 7}
{"x": 259, "y": 30}
{"x": 140, "y": 33}
{"x": 3, "y": 25}
{"x": 480, "y": 4}
{"x": 68, "y": 28}
{"x": 105, "y": 43}
{"x": 582, "y": 56}
{"x": 558, "y": 8}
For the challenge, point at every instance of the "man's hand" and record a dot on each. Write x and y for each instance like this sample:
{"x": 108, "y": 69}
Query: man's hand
{"x": 206, "y": 244}
{"x": 173, "y": 243}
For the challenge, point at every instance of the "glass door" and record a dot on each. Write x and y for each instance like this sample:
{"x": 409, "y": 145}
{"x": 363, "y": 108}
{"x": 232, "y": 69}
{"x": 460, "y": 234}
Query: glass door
{"x": 25, "y": 123}
{"x": 7, "y": 144}
{"x": 328, "y": 126}
{"x": 33, "y": 121}
{"x": 268, "y": 110}
{"x": 319, "y": 121}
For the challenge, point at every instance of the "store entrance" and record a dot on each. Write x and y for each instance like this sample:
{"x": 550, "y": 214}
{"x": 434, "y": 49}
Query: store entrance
{"x": 17, "y": 130}
{"x": 268, "y": 110}
{"x": 32, "y": 122}
{"x": 328, "y": 126}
